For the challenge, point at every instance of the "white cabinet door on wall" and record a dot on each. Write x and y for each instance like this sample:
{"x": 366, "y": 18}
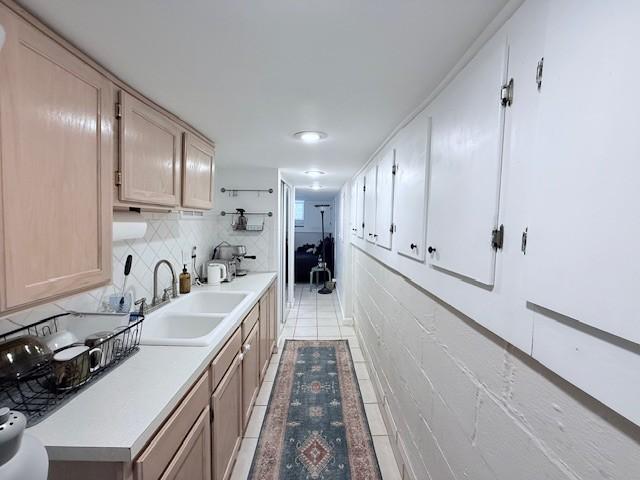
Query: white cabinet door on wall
{"x": 360, "y": 206}
{"x": 412, "y": 162}
{"x": 385, "y": 183}
{"x": 353, "y": 207}
{"x": 582, "y": 253}
{"x": 370, "y": 203}
{"x": 466, "y": 151}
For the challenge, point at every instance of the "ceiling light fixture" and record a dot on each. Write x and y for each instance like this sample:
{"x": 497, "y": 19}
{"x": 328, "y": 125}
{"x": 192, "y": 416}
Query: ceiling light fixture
{"x": 315, "y": 173}
{"x": 308, "y": 136}
{"x": 316, "y": 186}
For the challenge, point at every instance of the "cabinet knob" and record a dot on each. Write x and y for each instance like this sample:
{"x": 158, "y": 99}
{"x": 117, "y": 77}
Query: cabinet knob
{"x": 247, "y": 347}
{"x": 413, "y": 246}
{"x": 431, "y": 249}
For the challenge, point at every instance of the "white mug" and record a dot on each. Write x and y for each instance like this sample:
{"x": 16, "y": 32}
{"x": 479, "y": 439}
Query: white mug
{"x": 216, "y": 272}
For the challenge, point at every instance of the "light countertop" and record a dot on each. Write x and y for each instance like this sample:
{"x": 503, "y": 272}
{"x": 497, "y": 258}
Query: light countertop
{"x": 112, "y": 419}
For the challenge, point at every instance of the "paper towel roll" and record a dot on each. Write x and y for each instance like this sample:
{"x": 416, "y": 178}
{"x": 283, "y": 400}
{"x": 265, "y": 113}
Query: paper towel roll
{"x": 128, "y": 226}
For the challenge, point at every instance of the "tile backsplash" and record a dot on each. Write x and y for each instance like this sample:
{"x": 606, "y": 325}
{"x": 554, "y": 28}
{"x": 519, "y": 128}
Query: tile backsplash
{"x": 169, "y": 236}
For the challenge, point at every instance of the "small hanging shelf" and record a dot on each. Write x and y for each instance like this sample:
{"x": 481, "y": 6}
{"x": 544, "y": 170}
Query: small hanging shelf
{"x": 239, "y": 221}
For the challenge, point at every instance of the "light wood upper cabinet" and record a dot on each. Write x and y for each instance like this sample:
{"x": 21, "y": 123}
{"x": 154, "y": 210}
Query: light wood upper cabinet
{"x": 150, "y": 151}
{"x": 56, "y": 154}
{"x": 193, "y": 459}
{"x": 197, "y": 174}
{"x": 226, "y": 435}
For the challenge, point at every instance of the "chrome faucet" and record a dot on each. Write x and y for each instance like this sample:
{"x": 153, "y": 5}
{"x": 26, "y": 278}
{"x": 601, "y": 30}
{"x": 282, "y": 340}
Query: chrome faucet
{"x": 157, "y": 301}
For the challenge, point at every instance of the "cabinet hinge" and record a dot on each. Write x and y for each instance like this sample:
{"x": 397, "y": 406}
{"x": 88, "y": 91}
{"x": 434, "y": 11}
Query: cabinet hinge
{"x": 506, "y": 94}
{"x": 364, "y": 188}
{"x": 539, "y": 70}
{"x": 497, "y": 238}
{"x": 118, "y": 110}
{"x": 394, "y": 169}
{"x": 523, "y": 245}
{"x": 392, "y": 228}
{"x": 118, "y": 177}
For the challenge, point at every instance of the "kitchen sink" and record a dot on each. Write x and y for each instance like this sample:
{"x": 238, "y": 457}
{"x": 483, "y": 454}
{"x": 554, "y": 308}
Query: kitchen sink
{"x": 193, "y": 319}
{"x": 210, "y": 302}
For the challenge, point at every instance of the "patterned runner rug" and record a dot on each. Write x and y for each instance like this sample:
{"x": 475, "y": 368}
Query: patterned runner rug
{"x": 315, "y": 426}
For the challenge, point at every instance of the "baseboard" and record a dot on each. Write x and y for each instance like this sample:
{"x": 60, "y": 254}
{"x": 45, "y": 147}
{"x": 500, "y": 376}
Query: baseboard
{"x": 346, "y": 321}
{"x": 395, "y": 438}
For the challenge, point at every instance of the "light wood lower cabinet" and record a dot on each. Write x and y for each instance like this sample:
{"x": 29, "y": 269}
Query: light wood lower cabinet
{"x": 226, "y": 403}
{"x": 273, "y": 319}
{"x": 264, "y": 335}
{"x": 56, "y": 157}
{"x": 250, "y": 373}
{"x": 193, "y": 460}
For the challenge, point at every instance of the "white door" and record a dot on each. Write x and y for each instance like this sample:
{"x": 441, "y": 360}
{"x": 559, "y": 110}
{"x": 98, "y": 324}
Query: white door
{"x": 466, "y": 153}
{"x": 582, "y": 253}
{"x": 410, "y": 210}
{"x": 370, "y": 203}
{"x": 385, "y": 184}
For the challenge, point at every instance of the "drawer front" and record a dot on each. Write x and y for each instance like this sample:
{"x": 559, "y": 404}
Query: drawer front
{"x": 156, "y": 457}
{"x": 224, "y": 358}
{"x": 249, "y": 321}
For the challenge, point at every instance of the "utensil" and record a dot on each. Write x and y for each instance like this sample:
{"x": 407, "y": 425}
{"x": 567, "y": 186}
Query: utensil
{"x": 127, "y": 270}
{"x": 21, "y": 355}
{"x": 72, "y": 366}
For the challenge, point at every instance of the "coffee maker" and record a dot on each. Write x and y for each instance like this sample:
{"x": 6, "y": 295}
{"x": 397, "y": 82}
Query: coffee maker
{"x": 232, "y": 255}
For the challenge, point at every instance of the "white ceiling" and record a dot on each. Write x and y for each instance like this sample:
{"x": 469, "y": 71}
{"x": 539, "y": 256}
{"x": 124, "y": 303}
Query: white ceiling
{"x": 250, "y": 73}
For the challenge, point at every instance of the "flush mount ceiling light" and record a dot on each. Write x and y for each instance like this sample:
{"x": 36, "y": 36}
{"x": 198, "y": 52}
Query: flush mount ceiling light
{"x": 316, "y": 186}
{"x": 315, "y": 173}
{"x": 310, "y": 136}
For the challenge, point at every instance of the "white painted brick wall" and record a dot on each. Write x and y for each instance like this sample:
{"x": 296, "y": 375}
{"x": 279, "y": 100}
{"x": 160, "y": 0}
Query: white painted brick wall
{"x": 467, "y": 405}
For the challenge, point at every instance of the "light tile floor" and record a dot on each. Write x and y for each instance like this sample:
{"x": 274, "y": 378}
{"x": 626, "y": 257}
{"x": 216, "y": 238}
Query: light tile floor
{"x": 316, "y": 316}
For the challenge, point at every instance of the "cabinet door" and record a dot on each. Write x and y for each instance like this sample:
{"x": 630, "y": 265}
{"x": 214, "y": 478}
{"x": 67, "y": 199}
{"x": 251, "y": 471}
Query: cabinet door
{"x": 264, "y": 334}
{"x": 227, "y": 421}
{"x": 193, "y": 459}
{"x": 412, "y": 163}
{"x": 149, "y": 154}
{"x": 56, "y": 168}
{"x": 466, "y": 157}
{"x": 385, "y": 185}
{"x": 370, "y": 203}
{"x": 273, "y": 319}
{"x": 250, "y": 372}
{"x": 582, "y": 253}
{"x": 197, "y": 173}
{"x": 353, "y": 206}
{"x": 359, "y": 199}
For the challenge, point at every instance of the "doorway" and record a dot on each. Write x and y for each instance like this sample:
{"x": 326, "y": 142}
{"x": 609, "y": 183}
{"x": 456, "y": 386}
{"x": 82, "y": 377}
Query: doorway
{"x": 314, "y": 212}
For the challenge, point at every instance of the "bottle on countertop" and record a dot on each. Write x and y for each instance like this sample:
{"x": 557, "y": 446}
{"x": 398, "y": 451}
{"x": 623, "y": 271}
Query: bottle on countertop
{"x": 185, "y": 280}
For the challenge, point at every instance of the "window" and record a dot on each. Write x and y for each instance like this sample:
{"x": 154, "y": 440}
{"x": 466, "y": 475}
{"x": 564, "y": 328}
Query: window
{"x": 299, "y": 212}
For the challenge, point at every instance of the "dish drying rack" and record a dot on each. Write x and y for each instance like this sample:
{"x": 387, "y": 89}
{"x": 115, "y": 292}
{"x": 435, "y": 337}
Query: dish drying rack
{"x": 36, "y": 394}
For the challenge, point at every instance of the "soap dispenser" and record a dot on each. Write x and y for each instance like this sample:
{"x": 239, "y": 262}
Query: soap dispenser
{"x": 185, "y": 280}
